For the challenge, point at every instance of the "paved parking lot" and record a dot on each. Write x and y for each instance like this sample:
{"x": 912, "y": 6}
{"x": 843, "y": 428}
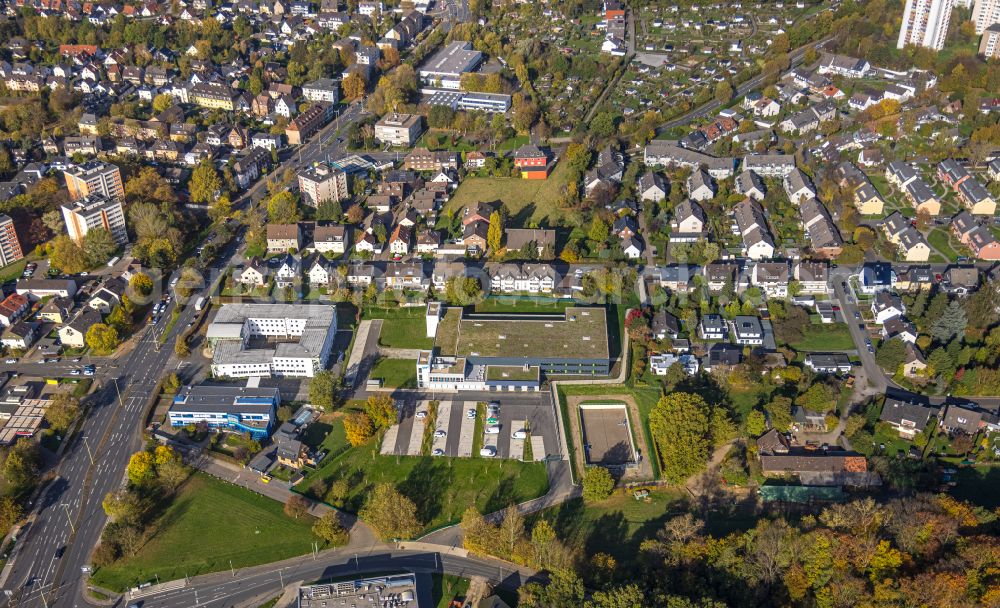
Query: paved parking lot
{"x": 533, "y": 414}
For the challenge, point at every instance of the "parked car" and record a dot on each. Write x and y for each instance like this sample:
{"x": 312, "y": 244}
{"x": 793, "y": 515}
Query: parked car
{"x": 488, "y": 451}
{"x": 518, "y": 435}
{"x": 440, "y": 433}
{"x": 438, "y": 452}
{"x": 493, "y": 429}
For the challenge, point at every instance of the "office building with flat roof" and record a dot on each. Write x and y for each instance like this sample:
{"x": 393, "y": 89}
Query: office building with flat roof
{"x": 293, "y": 340}
{"x": 394, "y": 591}
{"x": 445, "y": 68}
{"x": 399, "y": 129}
{"x": 249, "y": 409}
{"x": 95, "y": 211}
{"x": 510, "y": 352}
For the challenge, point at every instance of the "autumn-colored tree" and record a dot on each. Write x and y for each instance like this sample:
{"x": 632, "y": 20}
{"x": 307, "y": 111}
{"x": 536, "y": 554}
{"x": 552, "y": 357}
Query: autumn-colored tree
{"x": 141, "y": 468}
{"x": 141, "y": 284}
{"x": 62, "y": 411}
{"x": 359, "y": 428}
{"x": 382, "y": 410}
{"x": 102, "y": 339}
{"x": 390, "y": 513}
{"x": 297, "y": 506}
{"x": 330, "y": 529}
{"x": 205, "y": 183}
{"x": 598, "y": 484}
{"x": 494, "y": 234}
{"x": 353, "y": 86}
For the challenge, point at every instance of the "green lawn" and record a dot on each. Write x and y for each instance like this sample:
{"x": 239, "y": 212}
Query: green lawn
{"x": 617, "y": 525}
{"x": 208, "y": 525}
{"x": 535, "y": 200}
{"x": 402, "y": 327}
{"x": 514, "y": 304}
{"x": 442, "y": 488}
{"x": 396, "y": 373}
{"x": 13, "y": 271}
{"x": 328, "y": 434}
{"x": 821, "y": 337}
{"x": 940, "y": 239}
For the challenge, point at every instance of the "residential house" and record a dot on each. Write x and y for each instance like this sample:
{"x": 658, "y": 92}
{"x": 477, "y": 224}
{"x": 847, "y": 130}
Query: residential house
{"x": 331, "y": 238}
{"x": 771, "y": 278}
{"x": 914, "y": 364}
{"x": 665, "y": 325}
{"x": 907, "y": 418}
{"x": 701, "y": 186}
{"x": 885, "y": 306}
{"x": 751, "y": 225}
{"x": 916, "y": 190}
{"x": 254, "y": 274}
{"x": 828, "y": 363}
{"x": 74, "y": 333}
{"x": 12, "y": 308}
{"x": 688, "y": 222}
{"x": 653, "y": 187}
{"x": 283, "y": 237}
{"x": 288, "y": 272}
{"x": 813, "y": 277}
{"x": 21, "y": 335}
{"x": 750, "y": 185}
{"x": 400, "y": 241}
{"x": 712, "y": 327}
{"x": 898, "y": 327}
{"x": 960, "y": 419}
{"x": 748, "y": 330}
{"x": 798, "y": 186}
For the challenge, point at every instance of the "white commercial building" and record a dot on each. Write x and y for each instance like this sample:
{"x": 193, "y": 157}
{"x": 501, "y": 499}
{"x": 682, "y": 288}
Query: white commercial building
{"x": 925, "y": 23}
{"x": 271, "y": 339}
{"x": 445, "y": 68}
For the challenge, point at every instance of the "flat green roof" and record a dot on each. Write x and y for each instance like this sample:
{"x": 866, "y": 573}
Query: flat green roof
{"x": 582, "y": 333}
{"x": 511, "y": 372}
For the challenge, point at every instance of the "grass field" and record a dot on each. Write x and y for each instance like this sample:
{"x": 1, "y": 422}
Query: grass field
{"x": 328, "y": 434}
{"x": 396, "y": 373}
{"x": 523, "y": 305}
{"x": 442, "y": 488}
{"x": 820, "y": 337}
{"x": 940, "y": 239}
{"x": 209, "y": 524}
{"x": 401, "y": 327}
{"x": 528, "y": 199}
{"x": 617, "y": 525}
{"x": 13, "y": 271}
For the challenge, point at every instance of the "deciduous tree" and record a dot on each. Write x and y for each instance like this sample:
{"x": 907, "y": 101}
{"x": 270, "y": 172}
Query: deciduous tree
{"x": 392, "y": 514}
{"x": 598, "y": 484}
{"x": 329, "y": 529}
{"x": 382, "y": 410}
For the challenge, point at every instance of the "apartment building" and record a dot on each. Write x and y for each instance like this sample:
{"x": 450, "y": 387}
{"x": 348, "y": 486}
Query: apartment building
{"x": 94, "y": 178}
{"x": 10, "y": 247}
{"x": 989, "y": 44}
{"x": 306, "y": 124}
{"x": 95, "y": 211}
{"x": 321, "y": 183}
{"x": 925, "y": 23}
{"x": 985, "y": 14}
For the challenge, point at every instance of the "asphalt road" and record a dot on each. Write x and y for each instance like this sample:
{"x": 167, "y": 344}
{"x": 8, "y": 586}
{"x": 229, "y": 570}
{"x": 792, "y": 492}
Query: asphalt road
{"x": 225, "y": 590}
{"x": 68, "y": 515}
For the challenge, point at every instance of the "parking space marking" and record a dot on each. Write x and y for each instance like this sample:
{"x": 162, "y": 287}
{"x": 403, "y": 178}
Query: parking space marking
{"x": 492, "y": 441}
{"x": 516, "y": 451}
{"x": 389, "y": 441}
{"x": 467, "y": 431}
{"x": 417, "y": 432}
{"x": 538, "y": 447}
{"x": 442, "y": 422}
